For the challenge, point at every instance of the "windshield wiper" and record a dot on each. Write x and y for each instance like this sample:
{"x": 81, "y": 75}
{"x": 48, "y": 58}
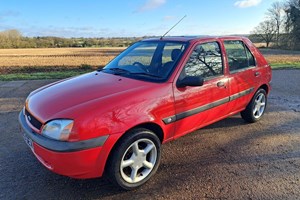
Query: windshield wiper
{"x": 145, "y": 74}
{"x": 118, "y": 70}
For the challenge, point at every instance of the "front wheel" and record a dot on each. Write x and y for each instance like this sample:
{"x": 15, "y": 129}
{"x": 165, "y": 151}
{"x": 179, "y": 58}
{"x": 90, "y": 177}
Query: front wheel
{"x": 135, "y": 159}
{"x": 256, "y": 108}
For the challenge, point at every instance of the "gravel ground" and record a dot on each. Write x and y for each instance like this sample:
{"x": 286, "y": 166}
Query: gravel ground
{"x": 227, "y": 160}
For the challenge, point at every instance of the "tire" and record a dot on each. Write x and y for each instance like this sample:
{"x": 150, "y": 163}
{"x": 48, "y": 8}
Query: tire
{"x": 256, "y": 108}
{"x": 135, "y": 159}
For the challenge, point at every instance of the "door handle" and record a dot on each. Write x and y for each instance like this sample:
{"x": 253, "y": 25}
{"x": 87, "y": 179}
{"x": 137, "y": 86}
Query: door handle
{"x": 221, "y": 84}
{"x": 256, "y": 74}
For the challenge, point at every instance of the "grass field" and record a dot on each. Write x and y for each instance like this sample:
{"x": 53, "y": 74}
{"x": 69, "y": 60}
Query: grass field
{"x": 23, "y": 64}
{"x": 282, "y": 59}
{"x": 64, "y": 62}
{"x": 69, "y": 57}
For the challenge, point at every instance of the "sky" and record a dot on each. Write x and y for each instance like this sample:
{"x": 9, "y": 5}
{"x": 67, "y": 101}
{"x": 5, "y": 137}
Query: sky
{"x": 131, "y": 18}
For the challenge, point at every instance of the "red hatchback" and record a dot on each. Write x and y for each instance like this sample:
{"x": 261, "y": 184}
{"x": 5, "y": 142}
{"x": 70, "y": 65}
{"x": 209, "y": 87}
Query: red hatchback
{"x": 114, "y": 120}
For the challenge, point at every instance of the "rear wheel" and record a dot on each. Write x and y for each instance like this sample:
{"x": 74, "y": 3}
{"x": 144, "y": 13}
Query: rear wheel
{"x": 256, "y": 108}
{"x": 135, "y": 160}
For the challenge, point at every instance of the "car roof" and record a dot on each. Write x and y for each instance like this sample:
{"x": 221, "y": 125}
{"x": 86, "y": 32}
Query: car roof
{"x": 192, "y": 38}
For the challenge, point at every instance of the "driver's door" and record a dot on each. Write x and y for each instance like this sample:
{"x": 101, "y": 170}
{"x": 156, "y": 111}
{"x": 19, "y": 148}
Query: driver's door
{"x": 198, "y": 106}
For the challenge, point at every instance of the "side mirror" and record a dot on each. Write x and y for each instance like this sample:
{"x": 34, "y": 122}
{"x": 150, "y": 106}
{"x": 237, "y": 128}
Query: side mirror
{"x": 190, "y": 81}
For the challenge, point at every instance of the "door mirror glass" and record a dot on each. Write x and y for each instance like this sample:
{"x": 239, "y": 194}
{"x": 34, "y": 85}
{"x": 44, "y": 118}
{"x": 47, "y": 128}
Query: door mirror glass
{"x": 190, "y": 81}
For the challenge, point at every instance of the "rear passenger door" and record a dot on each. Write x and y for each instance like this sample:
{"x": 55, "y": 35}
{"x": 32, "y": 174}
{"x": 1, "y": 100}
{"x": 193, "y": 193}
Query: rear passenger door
{"x": 244, "y": 75}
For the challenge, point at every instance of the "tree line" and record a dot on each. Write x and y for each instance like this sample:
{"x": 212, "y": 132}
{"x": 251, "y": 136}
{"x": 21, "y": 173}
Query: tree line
{"x": 14, "y": 39}
{"x": 281, "y": 27}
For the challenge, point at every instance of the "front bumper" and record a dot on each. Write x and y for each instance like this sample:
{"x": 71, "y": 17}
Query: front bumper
{"x": 74, "y": 159}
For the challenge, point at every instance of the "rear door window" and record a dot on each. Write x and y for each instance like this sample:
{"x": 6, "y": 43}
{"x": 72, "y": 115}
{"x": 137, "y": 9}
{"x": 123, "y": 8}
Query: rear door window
{"x": 238, "y": 55}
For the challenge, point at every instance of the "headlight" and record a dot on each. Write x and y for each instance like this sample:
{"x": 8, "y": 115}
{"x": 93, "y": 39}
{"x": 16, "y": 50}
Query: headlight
{"x": 58, "y": 129}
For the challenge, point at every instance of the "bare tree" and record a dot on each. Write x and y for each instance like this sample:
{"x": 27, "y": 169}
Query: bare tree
{"x": 276, "y": 14}
{"x": 293, "y": 23}
{"x": 266, "y": 30}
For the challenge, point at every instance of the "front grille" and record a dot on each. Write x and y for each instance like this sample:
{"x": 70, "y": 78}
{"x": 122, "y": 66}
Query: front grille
{"x": 33, "y": 121}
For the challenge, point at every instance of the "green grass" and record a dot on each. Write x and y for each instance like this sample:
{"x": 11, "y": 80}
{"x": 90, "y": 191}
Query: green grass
{"x": 38, "y": 72}
{"x": 295, "y": 65}
{"x": 40, "y": 75}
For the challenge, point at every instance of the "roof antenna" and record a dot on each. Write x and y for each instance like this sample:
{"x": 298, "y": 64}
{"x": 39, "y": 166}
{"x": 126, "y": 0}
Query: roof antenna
{"x": 172, "y": 27}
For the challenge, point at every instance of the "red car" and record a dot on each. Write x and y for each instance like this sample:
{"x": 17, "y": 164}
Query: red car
{"x": 114, "y": 120}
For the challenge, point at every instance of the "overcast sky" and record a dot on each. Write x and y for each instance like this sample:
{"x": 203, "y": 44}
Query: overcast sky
{"x": 127, "y": 18}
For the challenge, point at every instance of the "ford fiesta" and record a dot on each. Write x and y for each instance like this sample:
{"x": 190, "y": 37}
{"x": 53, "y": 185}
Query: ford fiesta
{"x": 114, "y": 120}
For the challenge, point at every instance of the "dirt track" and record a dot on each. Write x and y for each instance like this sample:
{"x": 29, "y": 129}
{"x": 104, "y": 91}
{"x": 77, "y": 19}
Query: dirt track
{"x": 228, "y": 160}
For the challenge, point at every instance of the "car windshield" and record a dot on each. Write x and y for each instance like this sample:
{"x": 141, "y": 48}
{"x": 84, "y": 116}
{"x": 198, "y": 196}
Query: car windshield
{"x": 147, "y": 60}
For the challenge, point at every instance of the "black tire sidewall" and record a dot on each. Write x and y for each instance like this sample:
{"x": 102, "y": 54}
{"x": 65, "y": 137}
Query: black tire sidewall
{"x": 119, "y": 151}
{"x": 247, "y": 114}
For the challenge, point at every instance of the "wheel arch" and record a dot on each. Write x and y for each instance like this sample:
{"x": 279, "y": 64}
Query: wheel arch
{"x": 155, "y": 128}
{"x": 265, "y": 87}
